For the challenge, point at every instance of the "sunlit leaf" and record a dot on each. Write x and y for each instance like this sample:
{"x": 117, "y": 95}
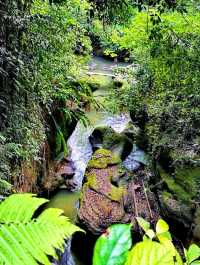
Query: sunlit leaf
{"x": 161, "y": 226}
{"x": 193, "y": 253}
{"x": 112, "y": 247}
{"x": 143, "y": 223}
{"x": 150, "y": 253}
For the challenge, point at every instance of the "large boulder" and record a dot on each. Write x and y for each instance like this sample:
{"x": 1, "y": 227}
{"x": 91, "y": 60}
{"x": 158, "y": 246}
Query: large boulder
{"x": 110, "y": 195}
{"x": 119, "y": 143}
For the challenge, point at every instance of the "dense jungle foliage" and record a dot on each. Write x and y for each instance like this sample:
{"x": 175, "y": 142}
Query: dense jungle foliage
{"x": 45, "y": 47}
{"x": 42, "y": 49}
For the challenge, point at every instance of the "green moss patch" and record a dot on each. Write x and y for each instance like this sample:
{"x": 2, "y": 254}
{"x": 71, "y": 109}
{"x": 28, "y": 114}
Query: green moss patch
{"x": 102, "y": 158}
{"x": 184, "y": 183}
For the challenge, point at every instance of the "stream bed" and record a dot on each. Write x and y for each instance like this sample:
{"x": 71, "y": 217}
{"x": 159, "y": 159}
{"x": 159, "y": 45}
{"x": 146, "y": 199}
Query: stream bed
{"x": 81, "y": 151}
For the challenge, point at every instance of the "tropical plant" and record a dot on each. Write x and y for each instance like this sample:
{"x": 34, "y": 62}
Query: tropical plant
{"x": 156, "y": 248}
{"x": 43, "y": 46}
{"x": 112, "y": 247}
{"x": 27, "y": 238}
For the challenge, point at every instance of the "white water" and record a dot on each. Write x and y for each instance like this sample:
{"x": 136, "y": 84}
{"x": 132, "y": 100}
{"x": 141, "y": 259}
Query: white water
{"x": 79, "y": 144}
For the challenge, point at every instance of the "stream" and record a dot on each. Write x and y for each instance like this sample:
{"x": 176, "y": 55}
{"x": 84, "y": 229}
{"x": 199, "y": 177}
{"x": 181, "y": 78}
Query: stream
{"x": 81, "y": 151}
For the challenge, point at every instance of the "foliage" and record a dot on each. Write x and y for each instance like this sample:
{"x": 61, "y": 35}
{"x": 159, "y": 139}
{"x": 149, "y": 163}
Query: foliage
{"x": 156, "y": 248}
{"x": 167, "y": 88}
{"x": 43, "y": 49}
{"x": 112, "y": 247}
{"x": 27, "y": 239}
{"x": 110, "y": 11}
{"x": 149, "y": 253}
{"x": 57, "y": 33}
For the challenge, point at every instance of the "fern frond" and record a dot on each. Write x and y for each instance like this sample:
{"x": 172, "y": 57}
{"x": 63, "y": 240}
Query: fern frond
{"x": 28, "y": 241}
{"x": 19, "y": 207}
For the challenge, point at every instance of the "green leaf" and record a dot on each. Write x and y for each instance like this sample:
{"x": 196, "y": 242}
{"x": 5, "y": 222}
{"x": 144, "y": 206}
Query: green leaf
{"x": 166, "y": 235}
{"x": 150, "y": 253}
{"x": 143, "y": 223}
{"x": 112, "y": 247}
{"x": 193, "y": 253}
{"x": 197, "y": 262}
{"x": 150, "y": 233}
{"x": 161, "y": 227}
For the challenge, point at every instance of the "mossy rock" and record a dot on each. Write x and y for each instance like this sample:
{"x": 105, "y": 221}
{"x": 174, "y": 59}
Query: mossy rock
{"x": 116, "y": 193}
{"x": 100, "y": 162}
{"x": 92, "y": 180}
{"x": 98, "y": 82}
{"x": 102, "y": 152}
{"x": 119, "y": 143}
{"x": 103, "y": 158}
{"x": 184, "y": 183}
{"x": 175, "y": 209}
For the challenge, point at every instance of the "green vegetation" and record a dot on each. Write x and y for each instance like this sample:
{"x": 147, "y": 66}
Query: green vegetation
{"x": 40, "y": 85}
{"x": 27, "y": 239}
{"x": 156, "y": 248}
{"x": 46, "y": 87}
{"x": 102, "y": 158}
{"x": 113, "y": 246}
{"x": 166, "y": 47}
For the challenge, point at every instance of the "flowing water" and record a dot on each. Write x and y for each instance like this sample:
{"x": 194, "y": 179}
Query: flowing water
{"x": 79, "y": 144}
{"x": 104, "y": 66}
{"x": 81, "y": 151}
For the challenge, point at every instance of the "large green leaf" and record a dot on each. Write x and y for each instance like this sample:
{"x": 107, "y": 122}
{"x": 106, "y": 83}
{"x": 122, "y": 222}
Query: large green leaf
{"x": 193, "y": 253}
{"x": 150, "y": 253}
{"x": 112, "y": 247}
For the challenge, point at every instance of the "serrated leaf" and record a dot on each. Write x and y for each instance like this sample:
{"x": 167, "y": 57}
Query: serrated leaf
{"x": 150, "y": 253}
{"x": 112, "y": 247}
{"x": 161, "y": 227}
{"x": 143, "y": 223}
{"x": 193, "y": 253}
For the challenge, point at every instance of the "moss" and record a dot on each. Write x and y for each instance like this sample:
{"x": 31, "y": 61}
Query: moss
{"x": 166, "y": 195}
{"x": 102, "y": 158}
{"x": 174, "y": 187}
{"x": 188, "y": 178}
{"x": 92, "y": 181}
{"x": 98, "y": 163}
{"x": 184, "y": 183}
{"x": 98, "y": 82}
{"x": 103, "y": 152}
{"x": 115, "y": 160}
{"x": 116, "y": 193}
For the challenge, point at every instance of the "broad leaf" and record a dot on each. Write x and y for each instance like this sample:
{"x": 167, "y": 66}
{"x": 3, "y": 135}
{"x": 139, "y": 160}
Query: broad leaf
{"x": 166, "y": 240}
{"x": 161, "y": 227}
{"x": 193, "y": 253}
{"x": 150, "y": 253}
{"x": 112, "y": 247}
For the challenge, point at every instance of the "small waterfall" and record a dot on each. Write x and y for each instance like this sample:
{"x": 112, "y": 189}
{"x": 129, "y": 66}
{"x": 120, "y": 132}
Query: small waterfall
{"x": 79, "y": 144}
